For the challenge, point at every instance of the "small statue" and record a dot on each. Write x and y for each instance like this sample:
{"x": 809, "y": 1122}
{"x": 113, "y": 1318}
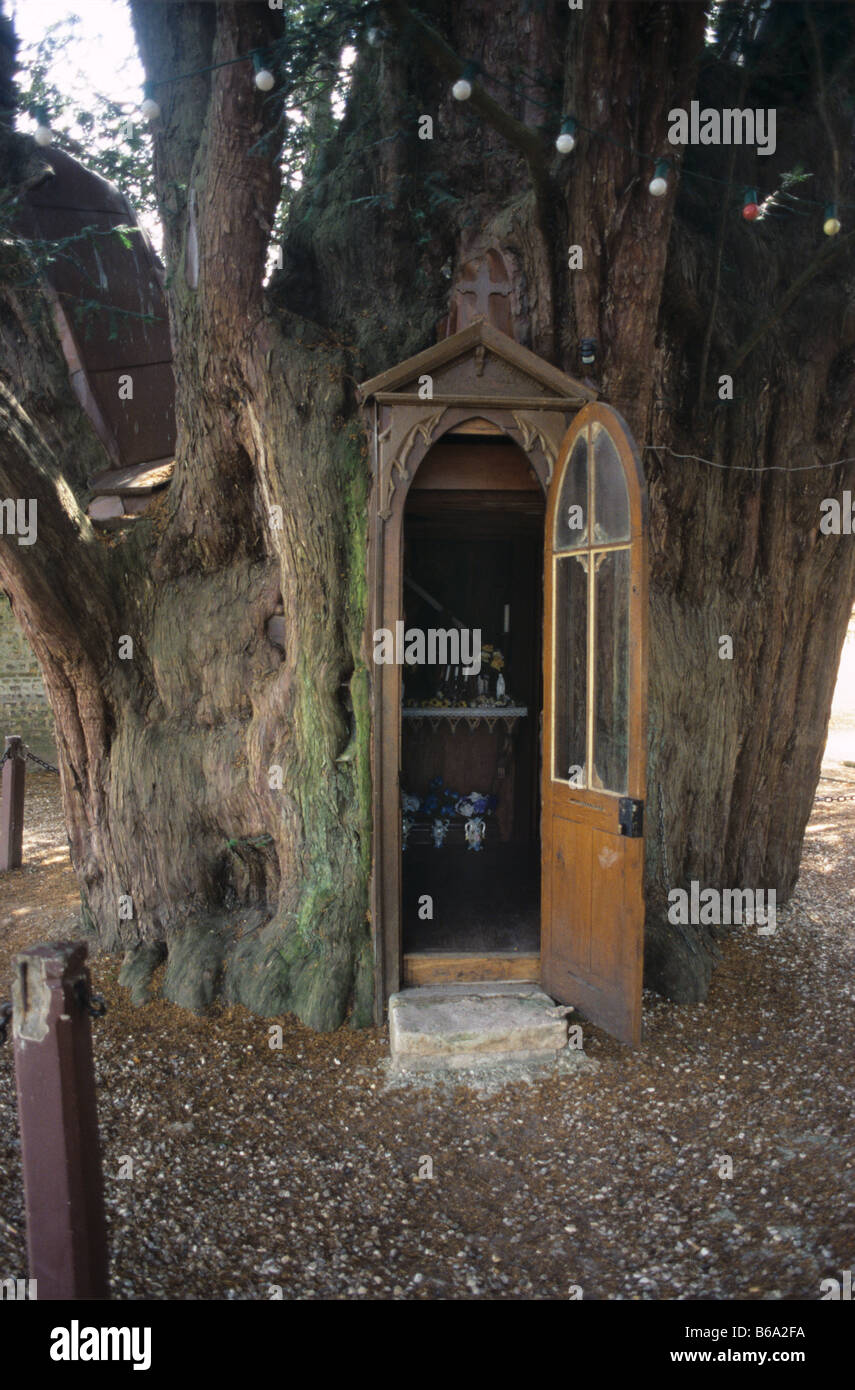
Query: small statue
{"x": 476, "y": 829}
{"x": 439, "y": 830}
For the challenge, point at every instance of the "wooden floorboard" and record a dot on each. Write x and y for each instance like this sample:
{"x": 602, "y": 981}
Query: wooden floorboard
{"x": 445, "y": 968}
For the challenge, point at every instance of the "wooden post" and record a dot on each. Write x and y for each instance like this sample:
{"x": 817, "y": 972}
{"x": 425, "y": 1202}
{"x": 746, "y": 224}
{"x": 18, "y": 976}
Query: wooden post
{"x": 12, "y": 805}
{"x": 63, "y": 1185}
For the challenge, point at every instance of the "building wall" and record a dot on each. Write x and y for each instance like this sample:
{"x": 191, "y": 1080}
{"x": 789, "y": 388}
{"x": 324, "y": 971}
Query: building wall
{"x": 24, "y": 708}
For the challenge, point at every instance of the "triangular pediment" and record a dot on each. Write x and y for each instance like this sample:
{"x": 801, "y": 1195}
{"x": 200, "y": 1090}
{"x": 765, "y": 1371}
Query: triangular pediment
{"x": 479, "y": 364}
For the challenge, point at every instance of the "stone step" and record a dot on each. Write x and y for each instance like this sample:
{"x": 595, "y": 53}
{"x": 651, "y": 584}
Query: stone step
{"x": 438, "y": 1027}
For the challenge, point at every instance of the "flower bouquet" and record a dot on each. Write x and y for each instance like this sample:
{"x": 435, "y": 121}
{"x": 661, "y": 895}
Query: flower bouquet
{"x": 441, "y": 807}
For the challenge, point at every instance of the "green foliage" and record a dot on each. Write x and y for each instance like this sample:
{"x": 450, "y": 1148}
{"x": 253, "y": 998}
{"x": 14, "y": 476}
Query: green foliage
{"x": 107, "y": 136}
{"x": 312, "y": 84}
{"x": 312, "y": 81}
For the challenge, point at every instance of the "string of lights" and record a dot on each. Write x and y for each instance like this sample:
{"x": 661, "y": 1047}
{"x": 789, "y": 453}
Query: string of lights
{"x": 570, "y": 127}
{"x": 755, "y": 206}
{"x": 752, "y": 204}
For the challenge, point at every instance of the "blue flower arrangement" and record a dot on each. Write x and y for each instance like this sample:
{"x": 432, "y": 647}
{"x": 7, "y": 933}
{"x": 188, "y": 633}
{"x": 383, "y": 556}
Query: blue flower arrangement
{"x": 443, "y": 802}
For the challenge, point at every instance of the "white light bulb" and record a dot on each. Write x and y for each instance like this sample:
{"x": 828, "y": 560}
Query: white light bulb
{"x": 150, "y": 109}
{"x": 264, "y": 80}
{"x": 462, "y": 90}
{"x": 373, "y": 37}
{"x": 565, "y": 142}
{"x": 658, "y": 186}
{"x": 43, "y": 135}
{"x": 830, "y": 226}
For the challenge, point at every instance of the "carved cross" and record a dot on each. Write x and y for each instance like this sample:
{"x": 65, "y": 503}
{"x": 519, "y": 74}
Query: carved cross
{"x": 479, "y": 290}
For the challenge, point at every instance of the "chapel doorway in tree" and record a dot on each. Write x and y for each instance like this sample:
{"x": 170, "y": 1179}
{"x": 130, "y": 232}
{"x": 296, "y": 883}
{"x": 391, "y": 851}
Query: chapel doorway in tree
{"x": 470, "y": 743}
{"x": 482, "y": 396}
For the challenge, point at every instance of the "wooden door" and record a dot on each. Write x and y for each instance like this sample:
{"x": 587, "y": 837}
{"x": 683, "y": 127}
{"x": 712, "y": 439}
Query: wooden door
{"x": 594, "y": 718}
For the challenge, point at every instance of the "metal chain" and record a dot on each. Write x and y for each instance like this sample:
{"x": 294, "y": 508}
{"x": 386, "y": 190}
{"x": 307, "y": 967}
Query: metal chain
{"x": 34, "y": 758}
{"x": 6, "y": 755}
{"x": 850, "y": 797}
{"x": 5, "y": 1015}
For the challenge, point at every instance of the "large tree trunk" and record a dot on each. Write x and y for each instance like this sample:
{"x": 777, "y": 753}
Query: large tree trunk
{"x": 260, "y": 892}
{"x": 168, "y": 757}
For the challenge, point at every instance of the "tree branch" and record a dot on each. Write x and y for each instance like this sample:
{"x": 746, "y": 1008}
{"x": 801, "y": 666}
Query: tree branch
{"x": 225, "y": 193}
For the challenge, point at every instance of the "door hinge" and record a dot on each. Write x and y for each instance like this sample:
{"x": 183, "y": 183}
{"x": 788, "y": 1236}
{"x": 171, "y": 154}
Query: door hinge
{"x": 631, "y": 817}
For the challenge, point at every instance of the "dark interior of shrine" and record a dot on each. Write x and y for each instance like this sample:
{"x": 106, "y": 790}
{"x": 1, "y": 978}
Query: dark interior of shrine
{"x": 473, "y": 555}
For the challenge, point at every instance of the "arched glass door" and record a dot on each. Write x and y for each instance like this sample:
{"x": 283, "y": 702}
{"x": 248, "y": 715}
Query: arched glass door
{"x": 595, "y": 630}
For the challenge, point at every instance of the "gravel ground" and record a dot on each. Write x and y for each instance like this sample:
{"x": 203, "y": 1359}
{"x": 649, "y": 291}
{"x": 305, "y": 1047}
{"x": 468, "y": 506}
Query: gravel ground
{"x": 299, "y": 1169}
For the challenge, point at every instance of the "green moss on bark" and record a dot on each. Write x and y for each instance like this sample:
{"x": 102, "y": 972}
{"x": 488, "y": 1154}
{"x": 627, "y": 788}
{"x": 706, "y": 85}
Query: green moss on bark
{"x": 316, "y": 960}
{"x": 362, "y": 1012}
{"x": 194, "y": 965}
{"x": 138, "y": 968}
{"x": 356, "y": 492}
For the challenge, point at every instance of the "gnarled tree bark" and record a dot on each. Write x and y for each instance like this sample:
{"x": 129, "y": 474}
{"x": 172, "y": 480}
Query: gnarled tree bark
{"x": 260, "y": 892}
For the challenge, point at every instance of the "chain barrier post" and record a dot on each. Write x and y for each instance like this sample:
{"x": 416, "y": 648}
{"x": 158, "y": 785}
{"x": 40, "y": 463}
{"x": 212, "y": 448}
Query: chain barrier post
{"x": 60, "y": 1151}
{"x": 12, "y": 804}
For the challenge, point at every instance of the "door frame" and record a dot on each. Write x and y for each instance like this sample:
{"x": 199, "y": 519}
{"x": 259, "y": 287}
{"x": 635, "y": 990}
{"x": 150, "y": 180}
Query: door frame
{"x": 386, "y": 608}
{"x": 478, "y": 372}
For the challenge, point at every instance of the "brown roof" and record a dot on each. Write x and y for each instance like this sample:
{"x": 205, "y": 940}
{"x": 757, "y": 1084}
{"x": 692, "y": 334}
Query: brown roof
{"x": 500, "y": 368}
{"x": 109, "y": 306}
